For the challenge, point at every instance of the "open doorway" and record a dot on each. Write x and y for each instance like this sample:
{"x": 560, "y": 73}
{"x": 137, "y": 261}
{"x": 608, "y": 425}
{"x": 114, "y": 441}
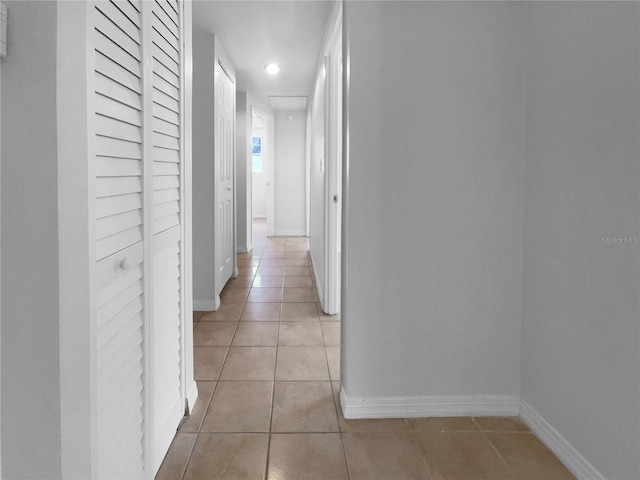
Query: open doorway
{"x": 262, "y": 173}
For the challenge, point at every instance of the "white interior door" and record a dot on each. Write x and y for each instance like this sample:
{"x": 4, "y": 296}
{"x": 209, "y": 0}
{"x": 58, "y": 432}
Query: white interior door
{"x": 138, "y": 165}
{"x": 166, "y": 204}
{"x": 224, "y": 171}
{"x": 120, "y": 279}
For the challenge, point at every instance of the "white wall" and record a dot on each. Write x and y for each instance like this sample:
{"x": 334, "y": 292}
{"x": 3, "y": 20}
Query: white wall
{"x": 316, "y": 183}
{"x": 259, "y": 180}
{"x": 580, "y": 328}
{"x": 435, "y": 204}
{"x": 289, "y": 164}
{"x": 30, "y": 309}
{"x": 203, "y": 170}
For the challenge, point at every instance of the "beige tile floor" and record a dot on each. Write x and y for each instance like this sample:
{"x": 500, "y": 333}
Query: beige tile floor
{"x": 268, "y": 370}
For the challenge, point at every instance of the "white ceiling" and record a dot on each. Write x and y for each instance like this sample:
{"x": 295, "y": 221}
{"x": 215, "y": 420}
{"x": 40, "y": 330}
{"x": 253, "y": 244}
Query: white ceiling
{"x": 255, "y": 33}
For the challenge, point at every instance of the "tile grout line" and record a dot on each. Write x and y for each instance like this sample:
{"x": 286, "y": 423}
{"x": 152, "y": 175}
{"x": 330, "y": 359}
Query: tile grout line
{"x": 186, "y": 465}
{"x": 495, "y": 449}
{"x": 212, "y": 393}
{"x": 273, "y": 390}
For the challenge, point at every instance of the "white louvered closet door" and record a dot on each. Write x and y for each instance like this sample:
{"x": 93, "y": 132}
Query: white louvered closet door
{"x": 166, "y": 205}
{"x": 119, "y": 240}
{"x": 138, "y": 233}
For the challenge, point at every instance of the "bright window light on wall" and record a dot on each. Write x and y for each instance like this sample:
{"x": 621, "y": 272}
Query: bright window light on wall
{"x": 256, "y": 154}
{"x": 272, "y": 68}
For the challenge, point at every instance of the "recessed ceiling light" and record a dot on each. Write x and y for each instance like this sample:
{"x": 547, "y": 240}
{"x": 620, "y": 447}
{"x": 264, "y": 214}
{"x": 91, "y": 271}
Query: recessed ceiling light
{"x": 272, "y": 68}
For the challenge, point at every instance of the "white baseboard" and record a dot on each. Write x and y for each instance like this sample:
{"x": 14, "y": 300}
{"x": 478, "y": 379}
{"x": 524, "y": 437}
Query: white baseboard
{"x": 206, "y": 305}
{"x": 568, "y": 455}
{"x": 291, "y": 233}
{"x": 433, "y": 406}
{"x": 243, "y": 249}
{"x": 319, "y": 284}
{"x": 259, "y": 216}
{"x": 192, "y": 395}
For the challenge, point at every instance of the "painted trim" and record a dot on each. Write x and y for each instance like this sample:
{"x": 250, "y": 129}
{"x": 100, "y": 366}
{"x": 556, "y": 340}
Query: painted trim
{"x": 192, "y": 396}
{"x": 319, "y": 290}
{"x": 566, "y": 453}
{"x": 205, "y": 305}
{"x": 333, "y": 159}
{"x": 189, "y": 388}
{"x": 76, "y": 240}
{"x": 431, "y": 406}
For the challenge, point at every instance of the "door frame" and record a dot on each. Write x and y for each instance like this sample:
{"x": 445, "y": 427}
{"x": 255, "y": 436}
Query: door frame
{"x": 333, "y": 155}
{"x": 271, "y": 195}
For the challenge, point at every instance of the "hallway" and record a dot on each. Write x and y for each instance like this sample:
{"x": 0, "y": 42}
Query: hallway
{"x": 267, "y": 366}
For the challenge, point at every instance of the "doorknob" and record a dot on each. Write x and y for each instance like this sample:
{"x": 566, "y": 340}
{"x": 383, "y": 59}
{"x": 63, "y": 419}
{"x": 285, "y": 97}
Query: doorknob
{"x": 228, "y": 188}
{"x": 125, "y": 264}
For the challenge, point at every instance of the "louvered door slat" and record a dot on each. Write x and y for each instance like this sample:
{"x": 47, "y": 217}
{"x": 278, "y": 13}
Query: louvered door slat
{"x": 166, "y": 168}
{"x": 117, "y": 54}
{"x": 166, "y": 30}
{"x": 165, "y": 155}
{"x": 121, "y": 379}
{"x": 128, "y": 9}
{"x": 125, "y": 339}
{"x": 166, "y": 101}
{"x": 164, "y": 59}
{"x": 164, "y": 196}
{"x": 165, "y": 209}
{"x": 112, "y": 186}
{"x": 124, "y": 221}
{"x": 119, "y": 111}
{"x": 170, "y": 13}
{"x": 118, "y": 167}
{"x": 165, "y": 141}
{"x": 113, "y": 31}
{"x": 166, "y": 42}
{"x": 134, "y": 274}
{"x": 113, "y": 90}
{"x": 166, "y": 87}
{"x": 116, "y": 147}
{"x": 173, "y": 4}
{"x": 161, "y": 17}
{"x": 165, "y": 114}
{"x": 122, "y": 203}
{"x": 115, "y": 15}
{"x": 118, "y": 241}
{"x": 106, "y": 126}
{"x": 167, "y": 75}
{"x": 160, "y": 126}
{"x": 163, "y": 182}
{"x": 164, "y": 223}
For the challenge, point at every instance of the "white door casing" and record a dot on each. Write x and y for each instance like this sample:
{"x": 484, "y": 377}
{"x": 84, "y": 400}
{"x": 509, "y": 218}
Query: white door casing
{"x": 224, "y": 160}
{"x": 333, "y": 154}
